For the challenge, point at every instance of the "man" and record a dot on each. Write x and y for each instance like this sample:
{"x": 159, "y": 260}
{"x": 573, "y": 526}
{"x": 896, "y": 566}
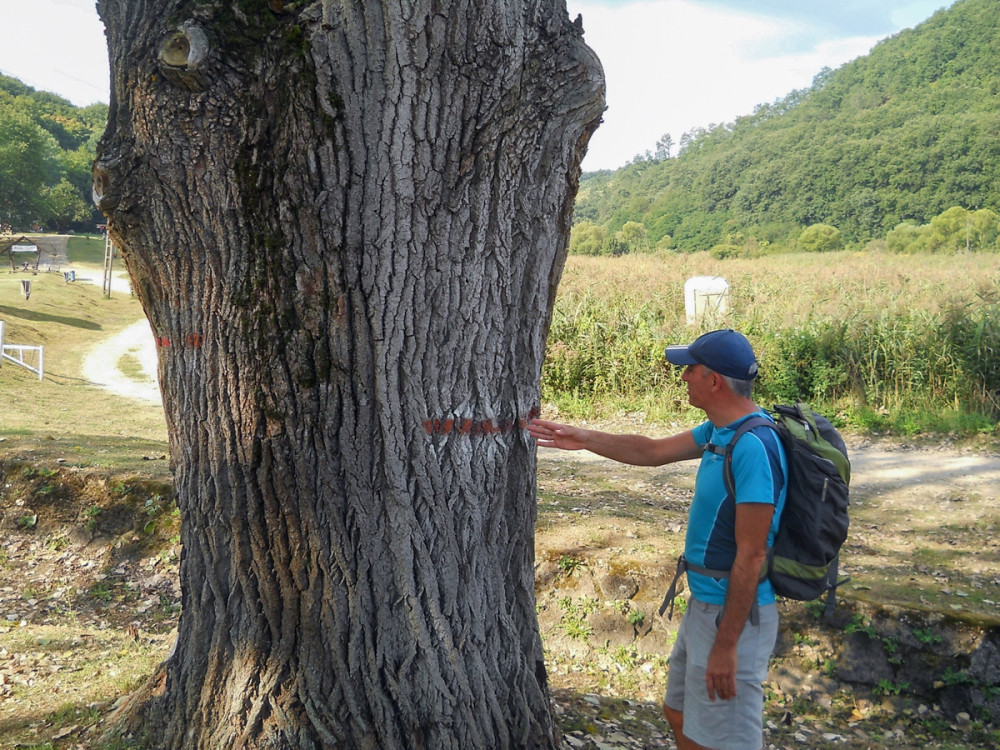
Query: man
{"x": 714, "y": 697}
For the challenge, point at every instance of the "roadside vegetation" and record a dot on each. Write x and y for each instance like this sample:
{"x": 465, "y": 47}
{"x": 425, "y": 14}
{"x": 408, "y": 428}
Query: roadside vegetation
{"x": 47, "y": 146}
{"x": 904, "y": 345}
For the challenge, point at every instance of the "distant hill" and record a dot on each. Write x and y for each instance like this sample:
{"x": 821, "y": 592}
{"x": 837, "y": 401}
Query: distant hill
{"x": 47, "y": 147}
{"x": 899, "y": 135}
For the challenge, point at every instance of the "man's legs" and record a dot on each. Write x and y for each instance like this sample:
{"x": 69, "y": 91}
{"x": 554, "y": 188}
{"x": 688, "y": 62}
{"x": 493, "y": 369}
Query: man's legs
{"x": 733, "y": 724}
{"x": 673, "y": 700}
{"x": 676, "y": 720}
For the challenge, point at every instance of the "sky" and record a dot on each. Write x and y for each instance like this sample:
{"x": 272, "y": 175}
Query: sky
{"x": 671, "y": 66}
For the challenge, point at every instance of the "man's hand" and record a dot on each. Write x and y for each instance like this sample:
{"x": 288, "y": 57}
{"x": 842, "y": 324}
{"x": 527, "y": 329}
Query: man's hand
{"x": 720, "y": 674}
{"x": 555, "y": 435}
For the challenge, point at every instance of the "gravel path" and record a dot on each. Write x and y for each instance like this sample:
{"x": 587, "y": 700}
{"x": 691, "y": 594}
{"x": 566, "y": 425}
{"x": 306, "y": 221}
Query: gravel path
{"x": 103, "y": 364}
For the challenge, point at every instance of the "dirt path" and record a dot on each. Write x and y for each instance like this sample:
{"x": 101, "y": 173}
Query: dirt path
{"x": 887, "y": 471}
{"x": 105, "y": 365}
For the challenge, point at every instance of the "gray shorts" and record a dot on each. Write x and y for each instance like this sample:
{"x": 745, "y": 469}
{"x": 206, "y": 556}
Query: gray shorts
{"x": 734, "y": 724}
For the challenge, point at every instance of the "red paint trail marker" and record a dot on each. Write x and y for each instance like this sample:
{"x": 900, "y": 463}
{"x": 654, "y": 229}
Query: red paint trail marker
{"x": 473, "y": 427}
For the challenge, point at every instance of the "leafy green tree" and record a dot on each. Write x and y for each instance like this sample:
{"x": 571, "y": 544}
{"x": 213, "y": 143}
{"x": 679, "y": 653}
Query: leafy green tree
{"x": 633, "y": 235}
{"x": 29, "y": 161}
{"x": 821, "y": 238}
{"x": 76, "y": 166}
{"x": 907, "y": 238}
{"x": 724, "y": 250}
{"x": 43, "y": 139}
{"x": 614, "y": 245}
{"x": 65, "y": 206}
{"x": 664, "y": 146}
{"x": 985, "y": 226}
{"x": 950, "y": 231}
{"x": 960, "y": 230}
{"x": 587, "y": 238}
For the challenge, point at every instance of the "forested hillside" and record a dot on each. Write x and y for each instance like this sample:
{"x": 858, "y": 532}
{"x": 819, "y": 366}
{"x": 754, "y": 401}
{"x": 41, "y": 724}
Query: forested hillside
{"x": 47, "y": 147}
{"x": 901, "y": 135}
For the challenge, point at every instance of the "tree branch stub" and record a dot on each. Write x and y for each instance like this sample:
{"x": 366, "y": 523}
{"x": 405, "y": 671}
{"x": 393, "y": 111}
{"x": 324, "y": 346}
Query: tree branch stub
{"x": 183, "y": 56}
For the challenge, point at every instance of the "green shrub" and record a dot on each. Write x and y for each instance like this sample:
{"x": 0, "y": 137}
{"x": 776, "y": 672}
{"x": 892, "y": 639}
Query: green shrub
{"x": 821, "y": 238}
{"x": 867, "y": 352}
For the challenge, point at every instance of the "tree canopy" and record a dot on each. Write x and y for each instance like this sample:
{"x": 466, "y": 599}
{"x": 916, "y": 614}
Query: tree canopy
{"x": 47, "y": 146}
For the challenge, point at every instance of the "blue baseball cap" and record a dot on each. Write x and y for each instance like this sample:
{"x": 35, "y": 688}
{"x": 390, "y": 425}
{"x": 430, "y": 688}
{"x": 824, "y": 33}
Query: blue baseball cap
{"x": 725, "y": 352}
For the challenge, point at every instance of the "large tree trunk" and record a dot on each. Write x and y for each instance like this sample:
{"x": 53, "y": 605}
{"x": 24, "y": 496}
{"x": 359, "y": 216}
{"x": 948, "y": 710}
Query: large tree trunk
{"x": 346, "y": 220}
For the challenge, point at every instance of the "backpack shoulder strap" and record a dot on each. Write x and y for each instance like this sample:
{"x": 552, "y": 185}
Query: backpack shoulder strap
{"x": 726, "y": 451}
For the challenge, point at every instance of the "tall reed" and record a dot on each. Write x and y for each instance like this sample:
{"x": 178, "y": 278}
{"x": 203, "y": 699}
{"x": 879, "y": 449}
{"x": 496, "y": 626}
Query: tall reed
{"x": 875, "y": 340}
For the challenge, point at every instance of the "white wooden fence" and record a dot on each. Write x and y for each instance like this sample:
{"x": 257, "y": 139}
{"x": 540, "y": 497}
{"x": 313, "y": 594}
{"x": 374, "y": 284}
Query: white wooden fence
{"x": 22, "y": 356}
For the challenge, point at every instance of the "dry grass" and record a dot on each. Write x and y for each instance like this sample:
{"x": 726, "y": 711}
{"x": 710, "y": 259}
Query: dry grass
{"x": 63, "y": 416}
{"x": 792, "y": 287}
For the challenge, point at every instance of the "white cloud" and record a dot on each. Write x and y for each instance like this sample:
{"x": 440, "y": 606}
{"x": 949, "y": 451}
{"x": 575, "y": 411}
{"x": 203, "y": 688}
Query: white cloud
{"x": 57, "y": 46}
{"x": 673, "y": 65}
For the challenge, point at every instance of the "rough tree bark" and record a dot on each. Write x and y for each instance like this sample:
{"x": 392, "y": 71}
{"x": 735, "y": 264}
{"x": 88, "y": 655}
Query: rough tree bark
{"x": 346, "y": 220}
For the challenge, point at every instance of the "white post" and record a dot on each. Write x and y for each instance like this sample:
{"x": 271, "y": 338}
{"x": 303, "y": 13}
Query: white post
{"x": 2, "y": 324}
{"x": 109, "y": 260}
{"x": 705, "y": 298}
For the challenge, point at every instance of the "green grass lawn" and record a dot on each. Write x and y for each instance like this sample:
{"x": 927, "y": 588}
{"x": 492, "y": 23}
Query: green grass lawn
{"x": 62, "y": 416}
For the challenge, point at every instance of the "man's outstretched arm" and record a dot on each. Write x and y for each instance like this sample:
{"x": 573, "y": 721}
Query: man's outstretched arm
{"x": 638, "y": 450}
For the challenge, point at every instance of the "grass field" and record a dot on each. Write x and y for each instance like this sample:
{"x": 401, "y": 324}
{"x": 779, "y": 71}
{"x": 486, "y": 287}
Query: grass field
{"x": 883, "y": 342}
{"x": 62, "y": 416}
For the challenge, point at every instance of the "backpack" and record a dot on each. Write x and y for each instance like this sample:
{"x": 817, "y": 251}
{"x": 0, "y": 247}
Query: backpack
{"x": 803, "y": 562}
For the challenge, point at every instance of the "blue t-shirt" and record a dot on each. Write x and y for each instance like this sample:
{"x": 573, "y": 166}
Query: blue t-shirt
{"x": 759, "y": 471}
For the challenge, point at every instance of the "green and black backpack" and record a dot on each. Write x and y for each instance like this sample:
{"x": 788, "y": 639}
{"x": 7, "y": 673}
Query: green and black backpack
{"x": 803, "y": 562}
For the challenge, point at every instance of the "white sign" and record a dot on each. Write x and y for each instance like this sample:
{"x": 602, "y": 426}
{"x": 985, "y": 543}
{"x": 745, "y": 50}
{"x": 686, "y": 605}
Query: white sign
{"x": 23, "y": 249}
